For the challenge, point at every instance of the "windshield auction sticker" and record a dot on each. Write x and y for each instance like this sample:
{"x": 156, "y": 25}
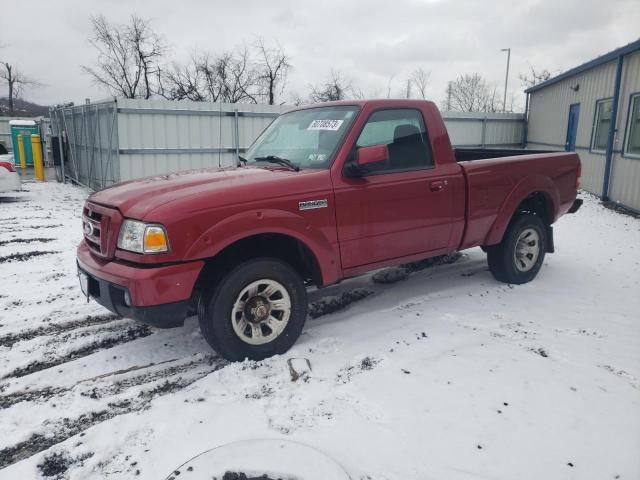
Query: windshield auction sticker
{"x": 325, "y": 125}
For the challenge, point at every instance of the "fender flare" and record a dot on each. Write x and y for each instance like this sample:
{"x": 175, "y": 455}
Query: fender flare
{"x": 234, "y": 228}
{"x": 525, "y": 187}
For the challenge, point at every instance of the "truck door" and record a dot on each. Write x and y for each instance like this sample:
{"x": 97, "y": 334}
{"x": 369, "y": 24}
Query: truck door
{"x": 402, "y": 207}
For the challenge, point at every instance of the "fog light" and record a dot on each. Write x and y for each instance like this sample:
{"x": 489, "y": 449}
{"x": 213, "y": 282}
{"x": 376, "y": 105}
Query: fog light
{"x": 127, "y": 298}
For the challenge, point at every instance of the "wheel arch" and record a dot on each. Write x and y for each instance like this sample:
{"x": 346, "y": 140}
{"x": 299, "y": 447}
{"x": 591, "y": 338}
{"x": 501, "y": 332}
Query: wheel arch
{"x": 266, "y": 232}
{"x": 535, "y": 194}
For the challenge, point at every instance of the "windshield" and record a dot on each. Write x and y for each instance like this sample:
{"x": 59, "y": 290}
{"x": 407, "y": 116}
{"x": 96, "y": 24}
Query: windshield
{"x": 307, "y": 138}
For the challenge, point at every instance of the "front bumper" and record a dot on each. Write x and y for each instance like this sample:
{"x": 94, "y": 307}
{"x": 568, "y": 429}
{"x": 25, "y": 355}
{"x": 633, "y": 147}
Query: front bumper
{"x": 160, "y": 296}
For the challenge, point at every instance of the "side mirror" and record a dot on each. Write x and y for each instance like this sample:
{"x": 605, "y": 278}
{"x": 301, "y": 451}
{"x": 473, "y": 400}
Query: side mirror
{"x": 374, "y": 154}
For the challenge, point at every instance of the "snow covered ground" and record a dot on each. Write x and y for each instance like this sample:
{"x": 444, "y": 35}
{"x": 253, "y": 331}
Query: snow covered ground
{"x": 443, "y": 374}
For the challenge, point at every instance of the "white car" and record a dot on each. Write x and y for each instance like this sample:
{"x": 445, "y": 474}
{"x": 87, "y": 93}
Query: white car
{"x": 9, "y": 178}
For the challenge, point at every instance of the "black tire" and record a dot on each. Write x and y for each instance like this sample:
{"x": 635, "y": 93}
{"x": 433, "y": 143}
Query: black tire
{"x": 502, "y": 260}
{"x": 216, "y": 306}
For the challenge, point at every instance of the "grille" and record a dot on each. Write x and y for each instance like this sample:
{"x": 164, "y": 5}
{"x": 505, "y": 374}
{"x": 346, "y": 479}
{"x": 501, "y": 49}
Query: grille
{"x": 92, "y": 228}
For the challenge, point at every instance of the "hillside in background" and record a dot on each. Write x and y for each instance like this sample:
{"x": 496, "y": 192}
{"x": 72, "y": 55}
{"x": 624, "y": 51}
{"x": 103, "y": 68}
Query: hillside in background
{"x": 22, "y": 108}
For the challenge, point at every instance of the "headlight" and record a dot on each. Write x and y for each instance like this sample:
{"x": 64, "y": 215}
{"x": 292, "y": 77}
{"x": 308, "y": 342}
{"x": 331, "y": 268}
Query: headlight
{"x": 142, "y": 238}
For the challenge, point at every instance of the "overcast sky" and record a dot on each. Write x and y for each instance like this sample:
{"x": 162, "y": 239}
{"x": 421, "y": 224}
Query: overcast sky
{"x": 368, "y": 41}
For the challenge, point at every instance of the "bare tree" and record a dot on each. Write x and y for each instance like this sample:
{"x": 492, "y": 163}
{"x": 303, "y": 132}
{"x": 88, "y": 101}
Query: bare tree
{"x": 336, "y": 87}
{"x": 272, "y": 67}
{"x": 230, "y": 77}
{"x": 238, "y": 76}
{"x": 16, "y": 82}
{"x": 471, "y": 93}
{"x": 357, "y": 93}
{"x": 534, "y": 77}
{"x": 183, "y": 82}
{"x": 493, "y": 103}
{"x": 149, "y": 48}
{"x": 212, "y": 72}
{"x": 296, "y": 99}
{"x": 128, "y": 56}
{"x": 390, "y": 84}
{"x": 420, "y": 78}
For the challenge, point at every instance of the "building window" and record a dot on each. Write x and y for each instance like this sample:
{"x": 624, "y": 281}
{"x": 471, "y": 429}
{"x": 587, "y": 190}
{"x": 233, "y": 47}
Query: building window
{"x": 633, "y": 139}
{"x": 601, "y": 126}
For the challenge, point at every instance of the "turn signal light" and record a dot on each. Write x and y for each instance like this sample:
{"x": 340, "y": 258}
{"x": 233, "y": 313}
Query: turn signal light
{"x": 155, "y": 240}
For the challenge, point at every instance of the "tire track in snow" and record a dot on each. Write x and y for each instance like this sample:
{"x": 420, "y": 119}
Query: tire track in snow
{"x": 131, "y": 333}
{"x": 24, "y": 256}
{"x": 175, "y": 378}
{"x": 56, "y": 328}
{"x": 108, "y": 385}
{"x": 26, "y": 240}
{"x": 334, "y": 303}
{"x": 31, "y": 227}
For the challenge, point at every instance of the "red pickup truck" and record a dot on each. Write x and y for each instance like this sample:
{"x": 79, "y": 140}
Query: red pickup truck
{"x": 326, "y": 192}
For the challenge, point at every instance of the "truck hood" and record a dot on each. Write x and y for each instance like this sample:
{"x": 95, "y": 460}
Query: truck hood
{"x": 136, "y": 198}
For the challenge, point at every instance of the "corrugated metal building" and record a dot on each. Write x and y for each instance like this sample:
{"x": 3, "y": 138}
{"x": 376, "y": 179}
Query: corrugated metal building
{"x": 594, "y": 109}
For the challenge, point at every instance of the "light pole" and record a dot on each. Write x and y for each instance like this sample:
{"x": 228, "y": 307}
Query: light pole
{"x": 506, "y": 78}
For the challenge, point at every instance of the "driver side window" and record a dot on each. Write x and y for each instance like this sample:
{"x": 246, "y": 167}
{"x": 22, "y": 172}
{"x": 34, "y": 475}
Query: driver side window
{"x": 405, "y": 135}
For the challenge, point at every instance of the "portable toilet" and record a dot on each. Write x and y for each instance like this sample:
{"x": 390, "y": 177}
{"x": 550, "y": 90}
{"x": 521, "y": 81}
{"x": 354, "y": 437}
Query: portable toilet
{"x": 26, "y": 128}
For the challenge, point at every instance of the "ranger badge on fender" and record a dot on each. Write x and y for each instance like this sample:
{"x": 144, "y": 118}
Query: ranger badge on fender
{"x": 310, "y": 204}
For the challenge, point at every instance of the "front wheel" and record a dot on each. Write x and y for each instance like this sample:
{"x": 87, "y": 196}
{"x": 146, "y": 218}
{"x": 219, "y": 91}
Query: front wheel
{"x": 518, "y": 258}
{"x": 257, "y": 310}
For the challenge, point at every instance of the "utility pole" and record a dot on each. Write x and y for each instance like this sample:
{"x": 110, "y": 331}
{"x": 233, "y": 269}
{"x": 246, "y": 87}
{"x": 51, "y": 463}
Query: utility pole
{"x": 449, "y": 97}
{"x": 506, "y": 78}
{"x": 408, "y": 88}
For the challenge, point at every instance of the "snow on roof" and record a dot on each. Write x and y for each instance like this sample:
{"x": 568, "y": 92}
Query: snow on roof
{"x": 22, "y": 123}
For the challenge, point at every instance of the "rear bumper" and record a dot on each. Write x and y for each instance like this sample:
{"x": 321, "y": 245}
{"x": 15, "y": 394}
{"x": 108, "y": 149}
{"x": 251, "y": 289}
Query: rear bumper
{"x": 159, "y": 296}
{"x": 577, "y": 203}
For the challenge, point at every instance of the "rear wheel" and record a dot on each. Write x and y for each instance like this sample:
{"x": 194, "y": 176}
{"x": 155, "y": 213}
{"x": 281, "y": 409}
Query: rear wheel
{"x": 518, "y": 258}
{"x": 257, "y": 310}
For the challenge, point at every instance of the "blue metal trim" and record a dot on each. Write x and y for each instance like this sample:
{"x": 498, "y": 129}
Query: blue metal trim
{"x": 624, "y": 207}
{"x": 571, "y": 105}
{"x": 525, "y": 126}
{"x": 612, "y": 129}
{"x": 593, "y": 126}
{"x": 624, "y": 151}
{"x": 607, "y": 57}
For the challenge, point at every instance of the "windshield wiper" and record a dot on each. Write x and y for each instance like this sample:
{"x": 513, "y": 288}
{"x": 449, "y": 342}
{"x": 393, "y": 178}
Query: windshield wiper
{"x": 241, "y": 160}
{"x": 279, "y": 160}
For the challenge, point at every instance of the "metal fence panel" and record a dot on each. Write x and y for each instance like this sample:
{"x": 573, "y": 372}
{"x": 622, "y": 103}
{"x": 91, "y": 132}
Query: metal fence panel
{"x": 160, "y": 136}
{"x": 480, "y": 129}
{"x": 91, "y": 135}
{"x": 549, "y": 115}
{"x": 123, "y": 139}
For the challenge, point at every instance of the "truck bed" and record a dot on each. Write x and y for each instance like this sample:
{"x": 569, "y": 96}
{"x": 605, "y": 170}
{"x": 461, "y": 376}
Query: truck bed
{"x": 494, "y": 182}
{"x": 464, "y": 154}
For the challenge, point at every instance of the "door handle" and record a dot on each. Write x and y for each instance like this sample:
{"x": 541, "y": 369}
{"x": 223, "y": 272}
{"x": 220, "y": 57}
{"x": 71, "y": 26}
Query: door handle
{"x": 438, "y": 185}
